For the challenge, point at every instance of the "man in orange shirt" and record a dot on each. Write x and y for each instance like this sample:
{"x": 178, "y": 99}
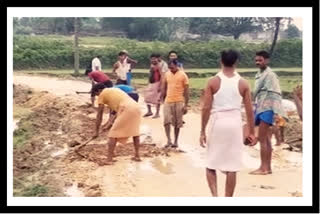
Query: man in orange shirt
{"x": 175, "y": 90}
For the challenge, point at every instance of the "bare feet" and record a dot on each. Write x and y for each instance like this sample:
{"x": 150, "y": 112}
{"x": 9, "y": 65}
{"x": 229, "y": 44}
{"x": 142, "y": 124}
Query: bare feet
{"x": 278, "y": 144}
{"x": 260, "y": 172}
{"x": 156, "y": 116}
{"x": 148, "y": 114}
{"x": 136, "y": 159}
{"x": 169, "y": 144}
{"x": 175, "y": 145}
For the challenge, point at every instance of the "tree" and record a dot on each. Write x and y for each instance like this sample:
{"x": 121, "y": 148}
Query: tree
{"x": 275, "y": 37}
{"x": 293, "y": 31}
{"x": 203, "y": 26}
{"x": 236, "y": 26}
{"x": 76, "y": 47}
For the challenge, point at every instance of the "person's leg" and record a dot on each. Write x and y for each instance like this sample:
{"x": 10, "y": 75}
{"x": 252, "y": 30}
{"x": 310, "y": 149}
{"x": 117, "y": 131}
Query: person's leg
{"x": 178, "y": 113}
{"x": 157, "y": 115}
{"x": 263, "y": 137}
{"x": 167, "y": 129}
{"x": 212, "y": 181}
{"x": 277, "y": 134}
{"x": 111, "y": 146}
{"x": 230, "y": 183}
{"x": 167, "y": 114}
{"x": 269, "y": 156}
{"x": 136, "y": 143}
{"x": 281, "y": 134}
{"x": 149, "y": 113}
{"x": 92, "y": 100}
{"x": 176, "y": 136}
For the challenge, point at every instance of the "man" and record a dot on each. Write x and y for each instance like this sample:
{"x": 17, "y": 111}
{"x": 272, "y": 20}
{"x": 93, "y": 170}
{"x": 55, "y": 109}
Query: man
{"x": 122, "y": 67}
{"x": 128, "y": 90}
{"x": 223, "y": 96}
{"x": 267, "y": 96}
{"x": 153, "y": 91}
{"x": 175, "y": 89}
{"x": 98, "y": 77}
{"x": 174, "y": 55}
{"x": 96, "y": 64}
{"x": 297, "y": 96}
{"x": 127, "y": 122}
{"x": 132, "y": 63}
{"x": 163, "y": 65}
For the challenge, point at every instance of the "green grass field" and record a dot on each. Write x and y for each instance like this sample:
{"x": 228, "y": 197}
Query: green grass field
{"x": 286, "y": 83}
{"x": 138, "y": 70}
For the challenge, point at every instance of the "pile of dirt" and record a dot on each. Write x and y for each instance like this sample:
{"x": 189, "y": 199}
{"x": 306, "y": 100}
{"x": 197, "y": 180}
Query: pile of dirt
{"x": 293, "y": 134}
{"x": 97, "y": 153}
{"x": 59, "y": 122}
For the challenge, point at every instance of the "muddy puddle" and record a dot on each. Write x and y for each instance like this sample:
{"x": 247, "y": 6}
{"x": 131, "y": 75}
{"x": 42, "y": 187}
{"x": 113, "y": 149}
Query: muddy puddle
{"x": 63, "y": 124}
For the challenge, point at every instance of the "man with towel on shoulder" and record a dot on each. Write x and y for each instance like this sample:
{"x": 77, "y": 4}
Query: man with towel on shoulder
{"x": 127, "y": 110}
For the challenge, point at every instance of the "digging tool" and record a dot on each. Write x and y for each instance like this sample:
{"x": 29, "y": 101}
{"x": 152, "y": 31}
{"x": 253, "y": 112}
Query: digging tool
{"x": 83, "y": 92}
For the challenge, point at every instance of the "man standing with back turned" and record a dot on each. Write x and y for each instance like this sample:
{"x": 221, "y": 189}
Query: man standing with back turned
{"x": 223, "y": 97}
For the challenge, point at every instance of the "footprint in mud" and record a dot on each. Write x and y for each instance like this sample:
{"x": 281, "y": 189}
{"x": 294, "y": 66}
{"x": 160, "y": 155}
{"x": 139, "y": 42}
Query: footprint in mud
{"x": 162, "y": 165}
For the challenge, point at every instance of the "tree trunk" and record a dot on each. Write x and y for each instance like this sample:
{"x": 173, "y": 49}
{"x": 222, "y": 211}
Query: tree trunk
{"x": 236, "y": 36}
{"x": 76, "y": 47}
{"x": 276, "y": 32}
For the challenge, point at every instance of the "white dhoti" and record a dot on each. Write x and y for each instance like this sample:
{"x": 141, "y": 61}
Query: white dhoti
{"x": 225, "y": 141}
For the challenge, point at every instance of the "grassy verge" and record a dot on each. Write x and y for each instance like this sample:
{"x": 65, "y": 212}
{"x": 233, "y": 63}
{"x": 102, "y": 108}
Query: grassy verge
{"x": 20, "y": 112}
{"x": 22, "y": 134}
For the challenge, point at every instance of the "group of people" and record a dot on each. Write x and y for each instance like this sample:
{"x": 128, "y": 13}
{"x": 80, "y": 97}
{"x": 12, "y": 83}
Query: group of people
{"x": 224, "y": 94}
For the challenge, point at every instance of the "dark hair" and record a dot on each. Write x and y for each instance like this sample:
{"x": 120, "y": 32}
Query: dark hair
{"x": 98, "y": 56}
{"x": 264, "y": 54}
{"x": 229, "y": 57}
{"x": 153, "y": 55}
{"x": 173, "y": 52}
{"x": 97, "y": 87}
{"x": 108, "y": 84}
{"x": 157, "y": 55}
{"x": 173, "y": 61}
{"x": 121, "y": 53}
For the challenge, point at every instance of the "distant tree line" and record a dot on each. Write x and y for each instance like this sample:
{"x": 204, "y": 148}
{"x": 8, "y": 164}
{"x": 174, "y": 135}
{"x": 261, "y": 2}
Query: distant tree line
{"x": 148, "y": 29}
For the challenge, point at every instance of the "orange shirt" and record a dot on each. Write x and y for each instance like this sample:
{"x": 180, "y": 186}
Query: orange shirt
{"x": 113, "y": 97}
{"x": 176, "y": 84}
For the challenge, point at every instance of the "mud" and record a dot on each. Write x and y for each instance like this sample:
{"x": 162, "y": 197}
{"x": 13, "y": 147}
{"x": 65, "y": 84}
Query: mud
{"x": 59, "y": 124}
{"x": 61, "y": 121}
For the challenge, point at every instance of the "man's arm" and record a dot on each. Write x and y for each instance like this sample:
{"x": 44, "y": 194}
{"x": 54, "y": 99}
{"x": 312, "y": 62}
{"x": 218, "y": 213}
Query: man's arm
{"x": 205, "y": 112}
{"x": 99, "y": 119}
{"x": 164, "y": 86}
{"x": 186, "y": 98}
{"x": 132, "y": 62}
{"x": 244, "y": 86}
{"x": 115, "y": 67}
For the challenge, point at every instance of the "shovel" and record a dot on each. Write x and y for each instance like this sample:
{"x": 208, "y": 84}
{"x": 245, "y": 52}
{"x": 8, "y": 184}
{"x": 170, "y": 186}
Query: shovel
{"x": 83, "y": 92}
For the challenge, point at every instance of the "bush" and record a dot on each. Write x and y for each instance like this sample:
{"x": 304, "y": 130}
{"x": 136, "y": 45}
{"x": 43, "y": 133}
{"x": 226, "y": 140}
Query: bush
{"x": 41, "y": 52}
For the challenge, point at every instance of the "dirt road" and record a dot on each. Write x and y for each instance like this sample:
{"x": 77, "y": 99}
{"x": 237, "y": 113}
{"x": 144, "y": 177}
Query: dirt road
{"x": 180, "y": 174}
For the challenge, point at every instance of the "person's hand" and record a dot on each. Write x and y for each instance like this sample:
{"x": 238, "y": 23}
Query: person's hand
{"x": 203, "y": 140}
{"x": 185, "y": 109}
{"x": 253, "y": 140}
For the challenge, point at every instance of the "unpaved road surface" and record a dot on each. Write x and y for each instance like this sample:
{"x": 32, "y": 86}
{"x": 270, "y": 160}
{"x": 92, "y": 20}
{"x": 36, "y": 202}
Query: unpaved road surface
{"x": 166, "y": 174}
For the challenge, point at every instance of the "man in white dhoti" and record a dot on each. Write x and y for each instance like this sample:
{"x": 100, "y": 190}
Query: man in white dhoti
{"x": 223, "y": 97}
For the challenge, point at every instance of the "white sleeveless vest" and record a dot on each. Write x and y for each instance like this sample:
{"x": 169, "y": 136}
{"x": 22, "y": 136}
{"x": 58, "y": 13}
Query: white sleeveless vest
{"x": 228, "y": 96}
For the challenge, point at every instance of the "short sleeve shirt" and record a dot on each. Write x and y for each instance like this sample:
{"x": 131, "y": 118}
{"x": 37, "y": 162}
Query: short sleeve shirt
{"x": 113, "y": 97}
{"x": 176, "y": 83}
